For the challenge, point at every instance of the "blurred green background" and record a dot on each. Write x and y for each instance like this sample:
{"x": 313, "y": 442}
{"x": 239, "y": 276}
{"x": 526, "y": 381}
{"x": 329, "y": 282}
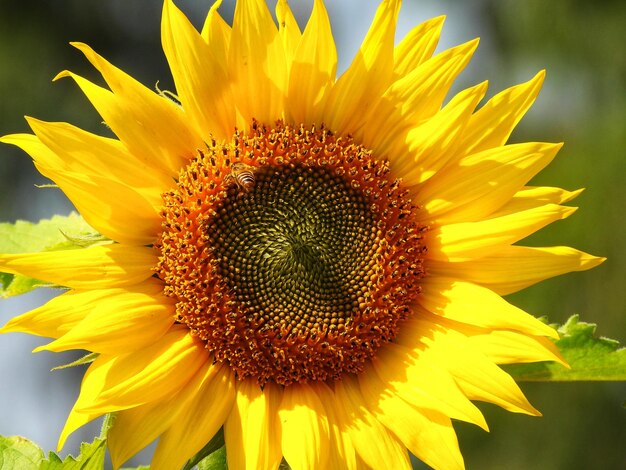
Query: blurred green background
{"x": 583, "y": 103}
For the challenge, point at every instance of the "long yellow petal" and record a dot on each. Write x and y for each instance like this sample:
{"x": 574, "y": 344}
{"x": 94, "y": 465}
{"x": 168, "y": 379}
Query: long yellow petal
{"x": 469, "y": 303}
{"x": 96, "y": 267}
{"x": 373, "y": 442}
{"x": 155, "y": 129}
{"x": 62, "y": 313}
{"x": 493, "y": 123}
{"x": 257, "y": 64}
{"x": 531, "y": 197}
{"x": 115, "y": 209}
{"x": 288, "y": 30}
{"x": 83, "y": 152}
{"x": 118, "y": 117}
{"x": 430, "y": 145}
{"x": 304, "y": 428}
{"x": 429, "y": 435}
{"x": 510, "y": 347}
{"x": 143, "y": 316}
{"x": 149, "y": 374}
{"x": 514, "y": 268}
{"x": 313, "y": 69}
{"x": 216, "y": 33}
{"x": 368, "y": 76}
{"x": 137, "y": 427}
{"x": 78, "y": 418}
{"x": 412, "y": 99}
{"x": 252, "y": 430}
{"x": 476, "y": 375}
{"x": 475, "y": 186}
{"x": 466, "y": 241}
{"x": 57, "y": 316}
{"x": 342, "y": 454}
{"x": 409, "y": 373}
{"x": 203, "y": 416}
{"x": 417, "y": 46}
{"x": 202, "y": 83}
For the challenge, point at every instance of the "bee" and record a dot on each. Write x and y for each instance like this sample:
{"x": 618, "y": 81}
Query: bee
{"x": 242, "y": 176}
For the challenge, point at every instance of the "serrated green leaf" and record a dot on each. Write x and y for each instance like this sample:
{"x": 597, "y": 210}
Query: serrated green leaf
{"x": 590, "y": 358}
{"x": 18, "y": 453}
{"x": 91, "y": 457}
{"x": 45, "y": 235}
{"x": 58, "y": 233}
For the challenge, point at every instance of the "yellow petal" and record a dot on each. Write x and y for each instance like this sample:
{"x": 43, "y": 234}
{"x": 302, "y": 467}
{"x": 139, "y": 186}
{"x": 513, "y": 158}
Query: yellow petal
{"x": 368, "y": 76}
{"x": 156, "y": 130}
{"x": 417, "y": 46}
{"x": 304, "y": 428}
{"x": 514, "y": 268}
{"x": 532, "y": 197}
{"x": 216, "y": 33}
{"x": 475, "y": 186}
{"x": 469, "y": 303}
{"x": 137, "y": 427}
{"x": 288, "y": 30}
{"x": 252, "y": 430}
{"x": 313, "y": 69}
{"x": 83, "y": 152}
{"x": 476, "y": 375}
{"x": 430, "y": 145}
{"x": 57, "y": 316}
{"x": 466, "y": 241}
{"x": 77, "y": 418}
{"x": 409, "y": 373}
{"x": 203, "y": 416}
{"x": 341, "y": 454}
{"x": 146, "y": 375}
{"x": 374, "y": 443}
{"x": 257, "y": 64}
{"x": 429, "y": 435}
{"x": 202, "y": 82}
{"x": 511, "y": 347}
{"x": 493, "y": 123}
{"x": 115, "y": 209}
{"x": 118, "y": 116}
{"x": 125, "y": 321}
{"x": 413, "y": 98}
{"x": 96, "y": 267}
{"x": 131, "y": 188}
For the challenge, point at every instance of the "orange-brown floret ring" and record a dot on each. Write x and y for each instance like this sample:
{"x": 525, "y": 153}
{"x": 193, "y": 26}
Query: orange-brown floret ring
{"x": 291, "y": 253}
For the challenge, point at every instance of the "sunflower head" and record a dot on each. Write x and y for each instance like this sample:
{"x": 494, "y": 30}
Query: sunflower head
{"x": 291, "y": 253}
{"x": 314, "y": 263}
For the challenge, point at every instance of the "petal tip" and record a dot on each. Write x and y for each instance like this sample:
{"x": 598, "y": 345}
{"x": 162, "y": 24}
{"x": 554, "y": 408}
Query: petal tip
{"x": 62, "y": 74}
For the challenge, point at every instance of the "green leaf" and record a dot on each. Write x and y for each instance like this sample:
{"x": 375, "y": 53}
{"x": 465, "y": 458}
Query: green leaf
{"x": 18, "y": 453}
{"x": 207, "y": 451}
{"x": 58, "y": 233}
{"x": 590, "y": 358}
{"x": 91, "y": 457}
{"x": 215, "y": 461}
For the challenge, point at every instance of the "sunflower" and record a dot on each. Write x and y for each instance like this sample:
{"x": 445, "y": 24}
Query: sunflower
{"x": 314, "y": 264}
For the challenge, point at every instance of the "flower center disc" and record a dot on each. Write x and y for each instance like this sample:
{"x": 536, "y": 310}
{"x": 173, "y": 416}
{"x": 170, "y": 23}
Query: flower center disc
{"x": 290, "y": 253}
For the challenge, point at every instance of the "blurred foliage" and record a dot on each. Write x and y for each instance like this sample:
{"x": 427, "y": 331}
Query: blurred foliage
{"x": 583, "y": 103}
